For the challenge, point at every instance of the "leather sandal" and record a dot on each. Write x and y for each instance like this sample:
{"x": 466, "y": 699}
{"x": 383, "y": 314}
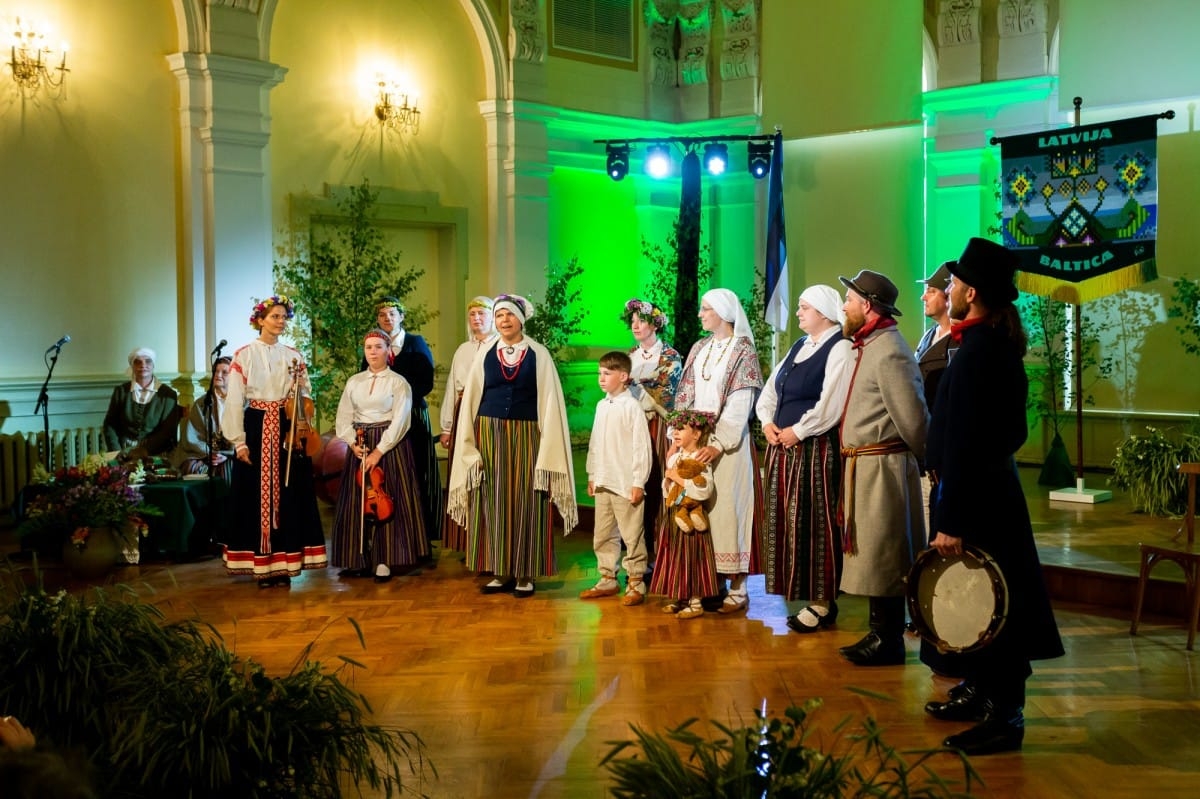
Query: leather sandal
{"x": 734, "y": 606}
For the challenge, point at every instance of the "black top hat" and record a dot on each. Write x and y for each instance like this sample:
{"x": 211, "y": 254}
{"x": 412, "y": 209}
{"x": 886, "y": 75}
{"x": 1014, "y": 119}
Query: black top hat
{"x": 990, "y": 269}
{"x": 940, "y": 278}
{"x": 876, "y": 288}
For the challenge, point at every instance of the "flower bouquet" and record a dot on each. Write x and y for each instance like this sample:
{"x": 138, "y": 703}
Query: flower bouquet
{"x": 76, "y": 501}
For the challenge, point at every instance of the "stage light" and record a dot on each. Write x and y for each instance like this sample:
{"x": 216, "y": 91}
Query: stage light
{"x": 758, "y": 158}
{"x": 618, "y": 160}
{"x": 716, "y": 158}
{"x": 658, "y": 160}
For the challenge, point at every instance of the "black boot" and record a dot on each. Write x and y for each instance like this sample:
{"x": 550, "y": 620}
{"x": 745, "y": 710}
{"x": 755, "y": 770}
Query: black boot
{"x": 884, "y": 644}
{"x": 1002, "y": 730}
{"x": 965, "y": 704}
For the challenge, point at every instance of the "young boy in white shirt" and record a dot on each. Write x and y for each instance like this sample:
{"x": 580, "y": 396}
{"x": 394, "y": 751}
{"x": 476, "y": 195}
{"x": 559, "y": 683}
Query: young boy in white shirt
{"x": 618, "y": 465}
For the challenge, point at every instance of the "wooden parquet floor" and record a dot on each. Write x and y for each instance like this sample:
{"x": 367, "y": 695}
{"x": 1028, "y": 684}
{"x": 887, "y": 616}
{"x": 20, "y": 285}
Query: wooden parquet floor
{"x": 517, "y": 698}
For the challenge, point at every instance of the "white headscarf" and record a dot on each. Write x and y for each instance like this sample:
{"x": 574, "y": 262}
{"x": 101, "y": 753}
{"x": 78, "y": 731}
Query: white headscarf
{"x": 729, "y": 308}
{"x": 826, "y": 301}
{"x": 520, "y": 306}
{"x": 140, "y": 352}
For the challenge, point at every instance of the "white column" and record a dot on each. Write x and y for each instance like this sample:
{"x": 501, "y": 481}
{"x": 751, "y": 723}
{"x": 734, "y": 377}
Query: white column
{"x": 226, "y": 236}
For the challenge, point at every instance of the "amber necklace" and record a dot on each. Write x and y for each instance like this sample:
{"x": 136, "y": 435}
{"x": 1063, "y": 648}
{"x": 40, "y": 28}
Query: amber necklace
{"x": 723, "y": 346}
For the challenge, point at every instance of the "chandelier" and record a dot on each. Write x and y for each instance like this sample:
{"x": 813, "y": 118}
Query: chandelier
{"x": 28, "y": 58}
{"x": 397, "y": 109}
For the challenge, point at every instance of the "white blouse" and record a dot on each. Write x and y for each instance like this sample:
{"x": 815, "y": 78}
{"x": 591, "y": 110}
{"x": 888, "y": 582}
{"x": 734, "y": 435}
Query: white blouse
{"x": 259, "y": 371}
{"x": 460, "y": 366}
{"x": 373, "y": 397}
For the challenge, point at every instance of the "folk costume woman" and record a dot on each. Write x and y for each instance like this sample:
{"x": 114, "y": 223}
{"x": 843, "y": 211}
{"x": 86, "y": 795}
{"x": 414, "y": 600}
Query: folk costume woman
{"x": 481, "y": 334}
{"x": 276, "y": 529}
{"x": 512, "y": 457}
{"x": 377, "y": 403}
{"x": 722, "y": 377}
{"x": 196, "y": 454}
{"x": 657, "y": 367}
{"x": 411, "y": 358}
{"x": 799, "y": 408}
{"x": 143, "y": 415}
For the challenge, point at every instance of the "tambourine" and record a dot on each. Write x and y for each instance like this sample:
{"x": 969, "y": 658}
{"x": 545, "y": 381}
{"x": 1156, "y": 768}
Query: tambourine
{"x": 957, "y": 603}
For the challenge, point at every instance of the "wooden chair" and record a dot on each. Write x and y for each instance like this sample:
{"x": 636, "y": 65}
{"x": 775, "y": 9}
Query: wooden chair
{"x": 1186, "y": 555}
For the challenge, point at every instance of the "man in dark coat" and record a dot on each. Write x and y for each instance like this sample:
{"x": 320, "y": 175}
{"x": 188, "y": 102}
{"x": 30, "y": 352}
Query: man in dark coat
{"x": 978, "y": 424}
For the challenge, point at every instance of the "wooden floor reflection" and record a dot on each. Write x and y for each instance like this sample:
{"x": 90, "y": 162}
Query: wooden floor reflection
{"x": 517, "y": 698}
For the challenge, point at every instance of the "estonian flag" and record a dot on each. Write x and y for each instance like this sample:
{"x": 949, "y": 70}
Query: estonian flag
{"x": 778, "y": 308}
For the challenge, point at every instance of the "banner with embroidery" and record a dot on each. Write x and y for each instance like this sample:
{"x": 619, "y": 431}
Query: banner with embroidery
{"x": 1080, "y": 207}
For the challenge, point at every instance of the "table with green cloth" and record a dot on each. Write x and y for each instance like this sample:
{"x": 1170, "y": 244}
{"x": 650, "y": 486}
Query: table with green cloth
{"x": 188, "y": 506}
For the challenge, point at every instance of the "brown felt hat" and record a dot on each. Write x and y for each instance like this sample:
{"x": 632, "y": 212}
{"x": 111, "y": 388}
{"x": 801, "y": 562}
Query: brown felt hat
{"x": 876, "y": 288}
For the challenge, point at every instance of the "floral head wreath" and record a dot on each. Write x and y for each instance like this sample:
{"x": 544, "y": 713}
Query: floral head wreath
{"x": 380, "y": 334}
{"x": 260, "y": 310}
{"x": 646, "y": 310}
{"x": 698, "y": 420}
{"x": 390, "y": 302}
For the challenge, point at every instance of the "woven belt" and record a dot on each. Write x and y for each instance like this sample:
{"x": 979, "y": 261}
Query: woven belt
{"x": 268, "y": 472}
{"x": 852, "y": 454}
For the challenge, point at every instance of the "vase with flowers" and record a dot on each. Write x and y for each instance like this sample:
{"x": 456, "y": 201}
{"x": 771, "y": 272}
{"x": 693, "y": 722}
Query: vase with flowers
{"x": 92, "y": 512}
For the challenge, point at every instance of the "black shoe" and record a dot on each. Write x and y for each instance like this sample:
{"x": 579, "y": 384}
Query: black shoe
{"x": 967, "y": 706}
{"x": 266, "y": 582}
{"x": 712, "y": 604}
{"x": 283, "y": 581}
{"x": 354, "y": 573}
{"x": 383, "y": 578}
{"x": 998, "y": 733}
{"x": 875, "y": 651}
{"x": 524, "y": 593}
{"x": 796, "y": 624}
{"x": 505, "y": 587}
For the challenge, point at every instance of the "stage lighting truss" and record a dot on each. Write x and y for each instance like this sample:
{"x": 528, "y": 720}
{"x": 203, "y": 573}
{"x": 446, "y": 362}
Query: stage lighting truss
{"x": 714, "y": 152}
{"x": 758, "y": 158}
{"x": 618, "y": 160}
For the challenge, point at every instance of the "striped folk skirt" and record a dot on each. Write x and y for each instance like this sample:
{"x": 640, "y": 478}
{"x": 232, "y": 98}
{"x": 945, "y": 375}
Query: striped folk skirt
{"x": 509, "y": 530}
{"x": 454, "y": 535}
{"x": 276, "y": 529}
{"x": 685, "y": 565}
{"x": 801, "y": 551}
{"x": 400, "y": 541}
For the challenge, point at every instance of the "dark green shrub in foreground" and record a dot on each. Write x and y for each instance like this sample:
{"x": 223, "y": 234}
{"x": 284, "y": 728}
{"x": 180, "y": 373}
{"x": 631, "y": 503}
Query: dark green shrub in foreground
{"x": 164, "y": 709}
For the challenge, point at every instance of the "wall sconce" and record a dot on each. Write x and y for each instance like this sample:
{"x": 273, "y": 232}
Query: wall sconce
{"x": 396, "y": 109}
{"x": 27, "y": 61}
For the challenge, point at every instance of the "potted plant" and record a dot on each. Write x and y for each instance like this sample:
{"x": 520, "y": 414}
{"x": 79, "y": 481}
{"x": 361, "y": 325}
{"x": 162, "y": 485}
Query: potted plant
{"x": 773, "y": 759}
{"x": 1146, "y": 466}
{"x": 91, "y": 512}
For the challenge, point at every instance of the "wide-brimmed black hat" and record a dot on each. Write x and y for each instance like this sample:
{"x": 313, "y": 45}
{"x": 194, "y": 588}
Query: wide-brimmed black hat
{"x": 990, "y": 269}
{"x": 940, "y": 278}
{"x": 875, "y": 287}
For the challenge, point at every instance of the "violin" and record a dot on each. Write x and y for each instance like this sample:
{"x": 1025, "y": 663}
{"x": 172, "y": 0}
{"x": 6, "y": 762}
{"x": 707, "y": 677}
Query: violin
{"x": 376, "y": 501}
{"x": 302, "y": 438}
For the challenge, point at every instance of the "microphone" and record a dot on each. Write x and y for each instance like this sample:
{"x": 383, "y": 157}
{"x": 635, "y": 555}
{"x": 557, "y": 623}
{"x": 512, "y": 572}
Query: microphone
{"x": 220, "y": 347}
{"x": 58, "y": 345}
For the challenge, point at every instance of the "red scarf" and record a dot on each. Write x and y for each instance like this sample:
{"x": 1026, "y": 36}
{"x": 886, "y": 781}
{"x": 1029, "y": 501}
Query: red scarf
{"x": 956, "y": 329}
{"x": 878, "y": 323}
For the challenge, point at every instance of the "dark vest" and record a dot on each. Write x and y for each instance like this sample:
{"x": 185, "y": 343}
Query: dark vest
{"x": 798, "y": 385}
{"x": 507, "y": 395}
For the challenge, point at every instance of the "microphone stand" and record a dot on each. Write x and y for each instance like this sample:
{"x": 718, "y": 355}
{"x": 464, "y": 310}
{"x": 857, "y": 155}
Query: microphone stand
{"x": 43, "y": 402}
{"x": 215, "y": 516}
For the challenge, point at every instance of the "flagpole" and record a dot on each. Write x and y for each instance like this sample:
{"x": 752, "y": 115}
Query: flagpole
{"x": 1079, "y": 494}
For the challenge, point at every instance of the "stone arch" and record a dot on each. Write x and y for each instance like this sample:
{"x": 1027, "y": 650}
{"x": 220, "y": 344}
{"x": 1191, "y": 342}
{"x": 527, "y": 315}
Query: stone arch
{"x": 929, "y": 62}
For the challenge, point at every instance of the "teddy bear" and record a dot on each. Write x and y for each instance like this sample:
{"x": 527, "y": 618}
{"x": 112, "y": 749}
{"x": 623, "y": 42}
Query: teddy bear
{"x": 689, "y": 513}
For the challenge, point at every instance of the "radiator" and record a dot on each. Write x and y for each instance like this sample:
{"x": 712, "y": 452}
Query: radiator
{"x": 21, "y": 452}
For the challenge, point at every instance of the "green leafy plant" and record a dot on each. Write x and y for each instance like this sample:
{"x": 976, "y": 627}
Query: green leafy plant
{"x": 164, "y": 709}
{"x": 774, "y": 759}
{"x": 1145, "y": 466}
{"x": 77, "y": 499}
{"x": 1185, "y": 308}
{"x": 559, "y": 317}
{"x": 335, "y": 281}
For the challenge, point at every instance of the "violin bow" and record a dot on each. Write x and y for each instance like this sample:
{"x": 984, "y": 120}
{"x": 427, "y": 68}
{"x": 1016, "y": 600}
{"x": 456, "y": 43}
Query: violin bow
{"x": 291, "y": 443}
{"x": 362, "y": 494}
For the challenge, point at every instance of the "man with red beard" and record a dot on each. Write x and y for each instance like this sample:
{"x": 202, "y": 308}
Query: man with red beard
{"x": 978, "y": 424}
{"x": 883, "y": 440}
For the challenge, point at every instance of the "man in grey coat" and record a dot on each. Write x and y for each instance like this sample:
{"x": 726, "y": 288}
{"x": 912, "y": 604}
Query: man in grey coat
{"x": 883, "y": 442}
